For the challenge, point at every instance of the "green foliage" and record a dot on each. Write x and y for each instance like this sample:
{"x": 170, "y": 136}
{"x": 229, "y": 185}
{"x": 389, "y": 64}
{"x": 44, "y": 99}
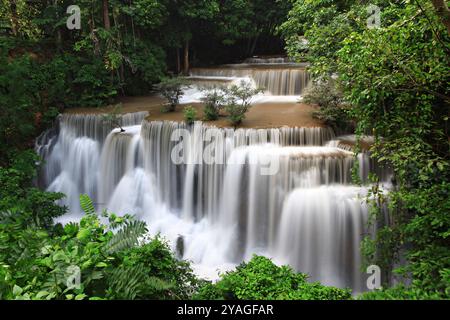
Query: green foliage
{"x": 114, "y": 118}
{"x": 238, "y": 101}
{"x": 172, "y": 90}
{"x": 190, "y": 114}
{"x": 214, "y": 100}
{"x": 127, "y": 237}
{"x": 333, "y": 110}
{"x": 176, "y": 280}
{"x": 40, "y": 261}
{"x": 86, "y": 204}
{"x": 19, "y": 194}
{"x": 261, "y": 279}
{"x": 130, "y": 283}
{"x": 145, "y": 64}
{"x": 399, "y": 292}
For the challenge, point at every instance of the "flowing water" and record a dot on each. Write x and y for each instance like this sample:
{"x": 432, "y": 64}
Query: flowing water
{"x": 282, "y": 192}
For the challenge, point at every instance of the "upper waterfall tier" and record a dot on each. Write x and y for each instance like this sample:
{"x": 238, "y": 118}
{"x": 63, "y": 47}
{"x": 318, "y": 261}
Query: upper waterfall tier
{"x": 280, "y": 80}
{"x": 268, "y": 60}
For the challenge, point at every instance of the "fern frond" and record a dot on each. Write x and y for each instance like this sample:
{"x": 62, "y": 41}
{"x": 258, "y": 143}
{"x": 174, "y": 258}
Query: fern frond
{"x": 126, "y": 282}
{"x": 86, "y": 204}
{"x": 127, "y": 237}
{"x": 135, "y": 282}
{"x": 158, "y": 285}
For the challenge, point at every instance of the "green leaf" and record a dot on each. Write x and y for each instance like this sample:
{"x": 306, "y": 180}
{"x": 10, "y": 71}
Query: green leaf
{"x": 17, "y": 290}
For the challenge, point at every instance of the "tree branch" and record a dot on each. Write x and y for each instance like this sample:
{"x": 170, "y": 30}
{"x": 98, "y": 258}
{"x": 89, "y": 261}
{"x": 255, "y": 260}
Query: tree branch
{"x": 443, "y": 12}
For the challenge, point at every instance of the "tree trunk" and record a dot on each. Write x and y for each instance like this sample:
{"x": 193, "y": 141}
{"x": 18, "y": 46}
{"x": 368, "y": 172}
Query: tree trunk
{"x": 443, "y": 12}
{"x": 186, "y": 58}
{"x": 253, "y": 47}
{"x": 178, "y": 61}
{"x": 14, "y": 24}
{"x": 106, "y": 20}
{"x": 58, "y": 30}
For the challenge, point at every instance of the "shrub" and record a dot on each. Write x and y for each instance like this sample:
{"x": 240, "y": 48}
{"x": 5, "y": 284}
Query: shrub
{"x": 333, "y": 108}
{"x": 261, "y": 279}
{"x": 114, "y": 260}
{"x": 238, "y": 101}
{"x": 214, "y": 100}
{"x": 172, "y": 90}
{"x": 190, "y": 114}
{"x": 114, "y": 118}
{"x": 400, "y": 292}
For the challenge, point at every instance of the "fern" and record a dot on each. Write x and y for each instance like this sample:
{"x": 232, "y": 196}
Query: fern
{"x": 86, "y": 204}
{"x": 129, "y": 283}
{"x": 126, "y": 283}
{"x": 127, "y": 237}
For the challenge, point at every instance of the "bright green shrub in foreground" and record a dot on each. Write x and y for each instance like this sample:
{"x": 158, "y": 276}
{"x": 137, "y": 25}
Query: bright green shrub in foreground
{"x": 190, "y": 114}
{"x": 113, "y": 260}
{"x": 261, "y": 279}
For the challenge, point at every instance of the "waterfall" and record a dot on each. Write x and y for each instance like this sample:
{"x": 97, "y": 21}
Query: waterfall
{"x": 282, "y": 192}
{"x": 268, "y": 60}
{"x": 320, "y": 230}
{"x": 281, "y": 81}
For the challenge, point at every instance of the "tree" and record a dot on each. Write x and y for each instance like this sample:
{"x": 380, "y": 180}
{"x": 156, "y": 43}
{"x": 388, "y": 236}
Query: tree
{"x": 172, "y": 90}
{"x": 443, "y": 12}
{"x": 214, "y": 100}
{"x": 106, "y": 21}
{"x": 114, "y": 118}
{"x": 238, "y": 101}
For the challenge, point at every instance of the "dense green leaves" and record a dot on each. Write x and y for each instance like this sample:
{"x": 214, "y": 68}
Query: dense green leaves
{"x": 261, "y": 279}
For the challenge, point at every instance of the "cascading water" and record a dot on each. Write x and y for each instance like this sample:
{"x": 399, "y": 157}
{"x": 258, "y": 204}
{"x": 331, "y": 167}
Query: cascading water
{"x": 226, "y": 210}
{"x": 282, "y": 192}
{"x": 287, "y": 81}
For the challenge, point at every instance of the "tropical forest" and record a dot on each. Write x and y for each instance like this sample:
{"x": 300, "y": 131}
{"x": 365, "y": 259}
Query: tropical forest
{"x": 224, "y": 150}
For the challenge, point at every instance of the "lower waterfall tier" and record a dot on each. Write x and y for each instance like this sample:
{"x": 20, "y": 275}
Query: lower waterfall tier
{"x": 228, "y": 193}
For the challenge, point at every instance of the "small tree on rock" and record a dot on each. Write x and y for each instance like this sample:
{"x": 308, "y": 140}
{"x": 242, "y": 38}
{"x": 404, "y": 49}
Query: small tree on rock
{"x": 238, "y": 101}
{"x": 172, "y": 89}
{"x": 214, "y": 100}
{"x": 114, "y": 118}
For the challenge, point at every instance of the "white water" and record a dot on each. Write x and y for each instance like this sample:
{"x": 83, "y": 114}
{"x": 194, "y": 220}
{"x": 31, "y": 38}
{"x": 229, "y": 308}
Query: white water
{"x": 305, "y": 212}
{"x": 225, "y": 212}
{"x": 281, "y": 81}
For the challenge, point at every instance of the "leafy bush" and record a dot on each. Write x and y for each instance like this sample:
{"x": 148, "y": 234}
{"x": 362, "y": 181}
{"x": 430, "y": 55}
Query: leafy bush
{"x": 114, "y": 118}
{"x": 114, "y": 260}
{"x": 172, "y": 90}
{"x": 261, "y": 279}
{"x": 190, "y": 114}
{"x": 399, "y": 292}
{"x": 19, "y": 194}
{"x": 333, "y": 109}
{"x": 238, "y": 101}
{"x": 214, "y": 100}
